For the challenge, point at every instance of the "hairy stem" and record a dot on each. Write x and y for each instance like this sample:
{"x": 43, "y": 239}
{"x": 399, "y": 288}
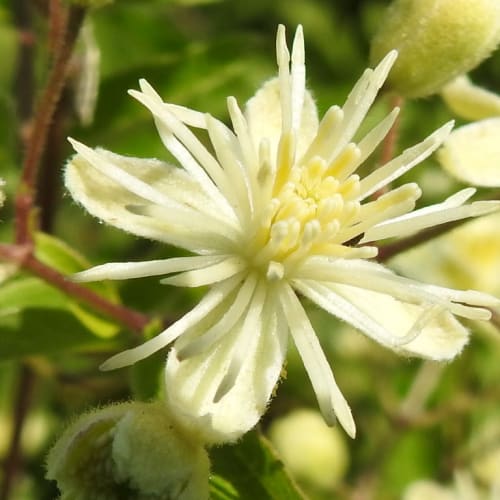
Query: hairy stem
{"x": 42, "y": 122}
{"x": 22, "y": 404}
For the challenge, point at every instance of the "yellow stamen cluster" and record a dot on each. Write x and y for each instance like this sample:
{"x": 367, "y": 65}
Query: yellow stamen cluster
{"x": 313, "y": 204}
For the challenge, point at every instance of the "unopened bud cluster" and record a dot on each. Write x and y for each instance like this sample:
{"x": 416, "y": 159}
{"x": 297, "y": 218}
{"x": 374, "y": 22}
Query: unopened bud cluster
{"x": 130, "y": 450}
{"x": 437, "y": 40}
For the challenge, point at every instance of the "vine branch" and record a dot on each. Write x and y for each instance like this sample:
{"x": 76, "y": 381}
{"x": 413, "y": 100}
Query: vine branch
{"x": 23, "y": 256}
{"x": 42, "y": 120}
{"x": 22, "y": 404}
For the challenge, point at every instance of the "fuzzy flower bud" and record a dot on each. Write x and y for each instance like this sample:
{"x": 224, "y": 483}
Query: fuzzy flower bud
{"x": 437, "y": 40}
{"x": 313, "y": 452}
{"x": 129, "y": 450}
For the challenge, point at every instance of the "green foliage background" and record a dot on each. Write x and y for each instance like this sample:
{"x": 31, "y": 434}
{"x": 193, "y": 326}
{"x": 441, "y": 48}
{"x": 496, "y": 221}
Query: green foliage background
{"x": 196, "y": 53}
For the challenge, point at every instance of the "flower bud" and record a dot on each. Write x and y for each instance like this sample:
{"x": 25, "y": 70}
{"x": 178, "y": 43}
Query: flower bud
{"x": 313, "y": 452}
{"x": 129, "y": 450}
{"x": 437, "y": 40}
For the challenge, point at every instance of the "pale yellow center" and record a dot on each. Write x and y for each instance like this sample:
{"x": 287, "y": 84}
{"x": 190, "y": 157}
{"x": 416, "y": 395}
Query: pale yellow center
{"x": 310, "y": 206}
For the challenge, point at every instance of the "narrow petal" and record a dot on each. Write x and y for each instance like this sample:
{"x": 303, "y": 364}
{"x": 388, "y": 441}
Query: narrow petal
{"x": 192, "y": 383}
{"x": 371, "y": 140}
{"x": 430, "y": 216}
{"x": 213, "y": 298}
{"x": 396, "y": 202}
{"x": 375, "y": 277}
{"x": 331, "y": 401}
{"x": 186, "y": 115}
{"x": 404, "y": 162}
{"x": 405, "y": 328}
{"x": 251, "y": 324}
{"x": 228, "y": 153}
{"x": 298, "y": 79}
{"x": 110, "y": 201}
{"x": 186, "y": 147}
{"x": 208, "y": 275}
{"x": 358, "y": 103}
{"x": 210, "y": 337}
{"x": 128, "y": 181}
{"x": 127, "y": 270}
{"x": 443, "y": 338}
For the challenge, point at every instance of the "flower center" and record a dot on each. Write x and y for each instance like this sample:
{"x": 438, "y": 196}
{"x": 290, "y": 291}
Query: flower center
{"x": 306, "y": 216}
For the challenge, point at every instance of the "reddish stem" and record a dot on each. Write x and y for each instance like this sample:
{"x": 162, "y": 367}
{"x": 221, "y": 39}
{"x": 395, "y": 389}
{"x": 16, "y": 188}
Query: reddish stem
{"x": 23, "y": 256}
{"x": 390, "y": 143}
{"x": 386, "y": 252}
{"x": 21, "y": 408}
{"x": 42, "y": 122}
{"x": 57, "y": 25}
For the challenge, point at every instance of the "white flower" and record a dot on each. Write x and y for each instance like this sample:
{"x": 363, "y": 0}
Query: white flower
{"x": 273, "y": 210}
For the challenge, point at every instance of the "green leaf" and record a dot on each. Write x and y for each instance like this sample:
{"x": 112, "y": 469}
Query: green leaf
{"x": 253, "y": 470}
{"x": 60, "y": 256}
{"x": 36, "y": 318}
{"x": 45, "y": 331}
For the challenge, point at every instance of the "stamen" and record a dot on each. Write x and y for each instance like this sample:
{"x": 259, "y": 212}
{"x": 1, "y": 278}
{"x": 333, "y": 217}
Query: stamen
{"x": 275, "y": 271}
{"x": 345, "y": 163}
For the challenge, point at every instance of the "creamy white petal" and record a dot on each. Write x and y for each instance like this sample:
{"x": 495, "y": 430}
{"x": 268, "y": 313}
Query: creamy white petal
{"x": 405, "y": 328}
{"x": 472, "y": 153}
{"x": 398, "y": 201}
{"x": 127, "y": 270}
{"x": 331, "y": 401}
{"x": 108, "y": 200}
{"x": 188, "y": 150}
{"x": 228, "y": 153}
{"x": 358, "y": 103}
{"x": 376, "y": 135}
{"x": 404, "y": 162}
{"x": 470, "y": 101}
{"x": 430, "y": 216}
{"x": 441, "y": 339}
{"x": 126, "y": 180}
{"x": 229, "y": 319}
{"x": 209, "y": 302}
{"x": 193, "y": 383}
{"x": 248, "y": 151}
{"x": 263, "y": 115}
{"x": 251, "y": 324}
{"x": 208, "y": 275}
{"x": 375, "y": 277}
{"x": 298, "y": 79}
{"x": 327, "y": 297}
{"x": 327, "y": 129}
{"x": 186, "y": 115}
{"x": 196, "y": 221}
